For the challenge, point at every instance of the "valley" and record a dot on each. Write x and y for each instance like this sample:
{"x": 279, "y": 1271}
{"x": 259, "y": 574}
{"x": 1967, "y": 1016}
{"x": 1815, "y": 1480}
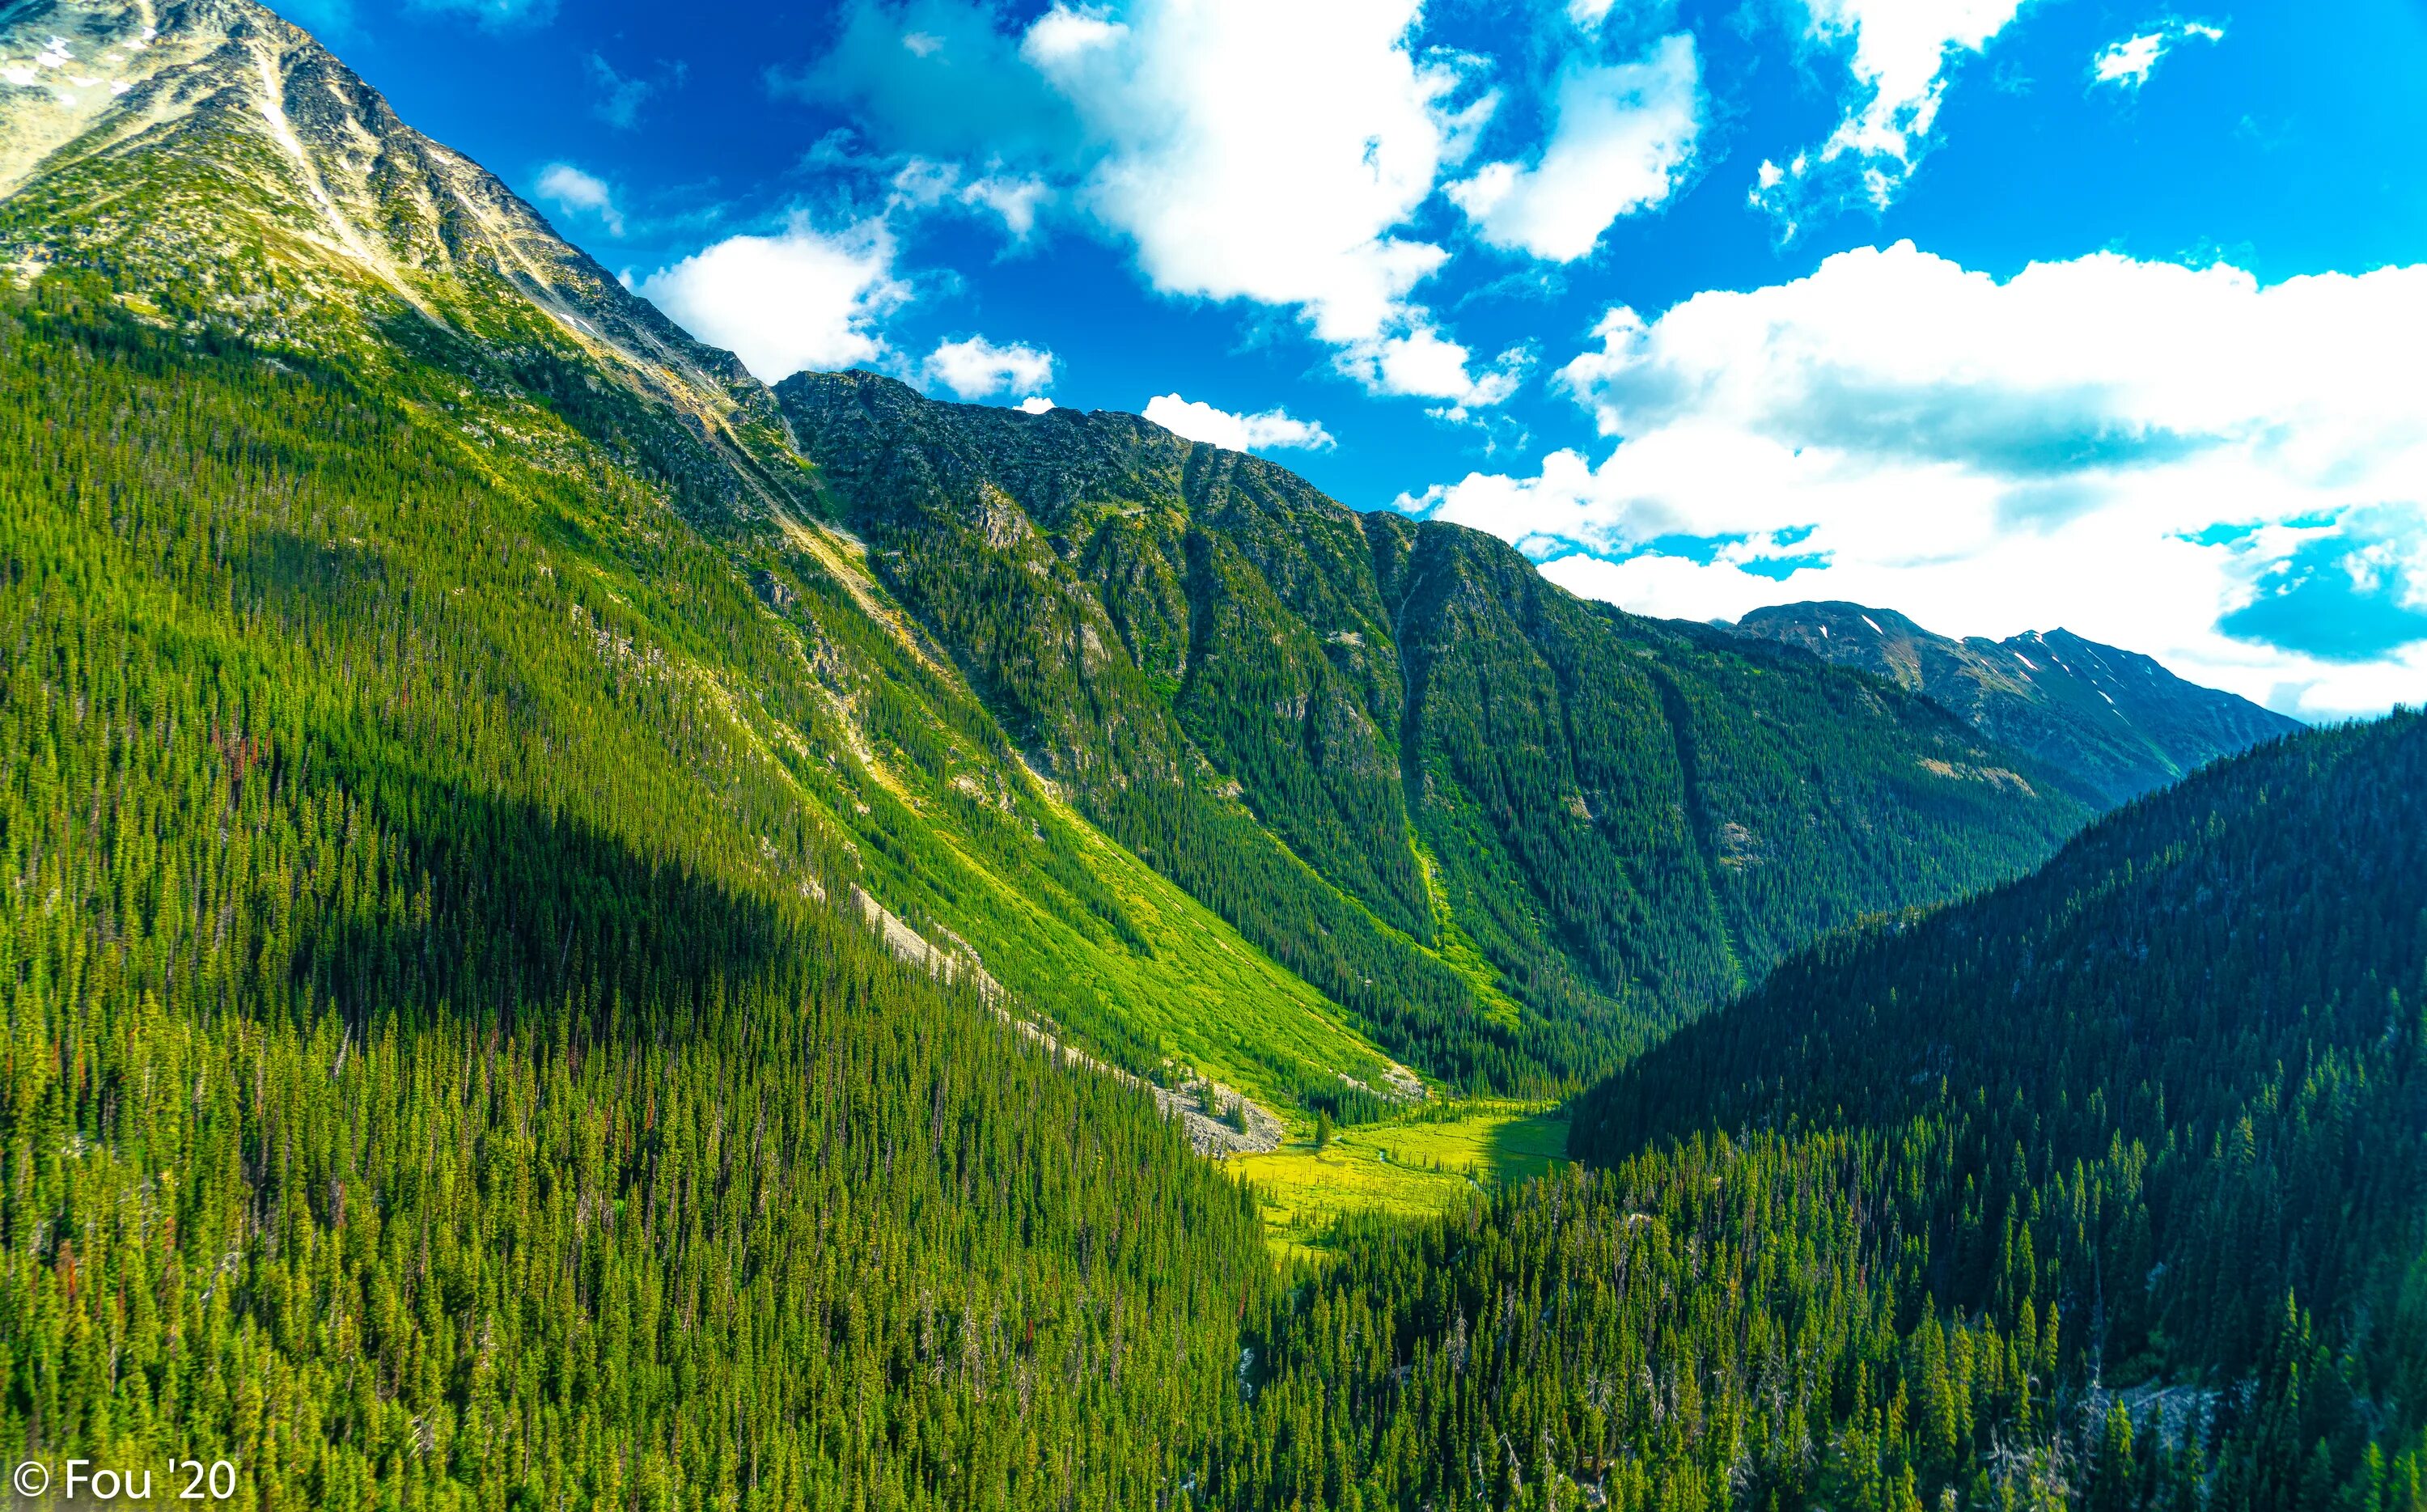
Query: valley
{"x": 582, "y": 930}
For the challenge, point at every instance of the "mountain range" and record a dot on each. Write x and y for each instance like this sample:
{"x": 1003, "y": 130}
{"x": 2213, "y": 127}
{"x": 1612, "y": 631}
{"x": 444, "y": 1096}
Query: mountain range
{"x": 2114, "y": 720}
{"x": 585, "y": 930}
{"x": 1487, "y": 832}
{"x": 1512, "y": 832}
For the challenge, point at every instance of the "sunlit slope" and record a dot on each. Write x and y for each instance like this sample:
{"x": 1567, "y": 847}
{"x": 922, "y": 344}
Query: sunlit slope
{"x": 1438, "y": 1159}
{"x": 756, "y": 682}
{"x": 428, "y": 1070}
{"x": 1212, "y": 775}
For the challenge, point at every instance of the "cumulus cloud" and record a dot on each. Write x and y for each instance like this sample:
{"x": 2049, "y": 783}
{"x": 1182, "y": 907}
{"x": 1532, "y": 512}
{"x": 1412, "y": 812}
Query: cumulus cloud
{"x": 1262, "y": 150}
{"x": 1897, "y": 55}
{"x": 1424, "y": 363}
{"x": 803, "y": 299}
{"x": 1270, "y": 430}
{"x": 1623, "y": 135}
{"x": 575, "y": 192}
{"x": 2127, "y": 64}
{"x": 2225, "y": 474}
{"x": 977, "y": 368}
{"x": 1036, "y": 404}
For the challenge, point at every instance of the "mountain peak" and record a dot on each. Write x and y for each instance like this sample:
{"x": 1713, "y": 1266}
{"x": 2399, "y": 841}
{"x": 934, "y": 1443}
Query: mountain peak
{"x": 230, "y": 172}
{"x": 98, "y": 74}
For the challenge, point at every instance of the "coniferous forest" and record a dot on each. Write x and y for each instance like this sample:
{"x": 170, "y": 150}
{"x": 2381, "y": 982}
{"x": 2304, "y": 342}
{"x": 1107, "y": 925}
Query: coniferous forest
{"x": 583, "y": 934}
{"x": 2108, "y": 1187}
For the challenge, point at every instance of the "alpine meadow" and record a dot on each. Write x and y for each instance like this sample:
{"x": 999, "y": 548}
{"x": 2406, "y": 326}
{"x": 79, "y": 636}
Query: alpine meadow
{"x": 584, "y": 931}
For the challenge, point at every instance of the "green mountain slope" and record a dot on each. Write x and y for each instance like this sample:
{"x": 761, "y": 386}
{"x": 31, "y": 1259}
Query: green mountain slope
{"x": 427, "y": 1071}
{"x": 2116, "y": 721}
{"x": 2212, "y": 1002}
{"x": 2107, "y": 1188}
{"x": 247, "y": 187}
{"x": 1517, "y": 833}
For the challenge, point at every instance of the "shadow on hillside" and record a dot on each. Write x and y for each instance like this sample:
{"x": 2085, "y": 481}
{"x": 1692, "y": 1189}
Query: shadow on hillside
{"x": 501, "y": 912}
{"x": 1523, "y": 1148}
{"x": 287, "y": 568}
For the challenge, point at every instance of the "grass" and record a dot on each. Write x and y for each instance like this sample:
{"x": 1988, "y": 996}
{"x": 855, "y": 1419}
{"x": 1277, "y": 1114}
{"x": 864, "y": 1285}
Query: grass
{"x": 1200, "y": 994}
{"x": 1418, "y": 1166}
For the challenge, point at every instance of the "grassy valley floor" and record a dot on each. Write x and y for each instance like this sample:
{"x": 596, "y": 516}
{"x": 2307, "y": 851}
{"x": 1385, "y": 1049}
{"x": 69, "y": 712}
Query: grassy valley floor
{"x": 1417, "y": 1166}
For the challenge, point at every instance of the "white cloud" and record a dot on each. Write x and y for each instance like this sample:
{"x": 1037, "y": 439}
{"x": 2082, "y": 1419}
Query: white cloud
{"x": 805, "y": 299}
{"x": 1424, "y": 363}
{"x": 2229, "y": 476}
{"x": 1063, "y": 34}
{"x": 975, "y": 369}
{"x": 1270, "y": 430}
{"x": 1623, "y": 137}
{"x": 1900, "y": 50}
{"x": 2127, "y": 64}
{"x": 1264, "y": 151}
{"x": 1036, "y": 404}
{"x": 575, "y": 192}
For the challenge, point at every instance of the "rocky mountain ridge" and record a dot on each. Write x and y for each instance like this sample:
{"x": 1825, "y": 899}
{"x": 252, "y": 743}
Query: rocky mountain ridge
{"x": 1513, "y": 831}
{"x": 2116, "y": 718}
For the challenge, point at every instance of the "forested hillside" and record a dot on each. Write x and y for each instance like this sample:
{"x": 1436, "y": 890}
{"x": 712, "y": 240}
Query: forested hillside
{"x": 429, "y": 1076}
{"x": 1518, "y": 834}
{"x": 2107, "y": 1188}
{"x": 441, "y": 316}
{"x": 1219, "y": 778}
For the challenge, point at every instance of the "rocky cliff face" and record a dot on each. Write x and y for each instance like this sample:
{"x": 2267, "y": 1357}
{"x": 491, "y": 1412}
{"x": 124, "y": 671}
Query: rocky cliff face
{"x": 2115, "y": 718}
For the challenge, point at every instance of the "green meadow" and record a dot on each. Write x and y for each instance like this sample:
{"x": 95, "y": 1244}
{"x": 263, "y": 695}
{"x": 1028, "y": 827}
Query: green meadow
{"x": 1422, "y": 1164}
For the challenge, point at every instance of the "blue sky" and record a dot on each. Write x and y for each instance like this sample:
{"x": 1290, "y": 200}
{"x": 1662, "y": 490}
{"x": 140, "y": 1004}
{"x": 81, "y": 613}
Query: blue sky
{"x": 2008, "y": 315}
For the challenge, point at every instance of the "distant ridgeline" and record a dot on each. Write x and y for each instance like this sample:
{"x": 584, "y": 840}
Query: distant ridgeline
{"x": 456, "y": 749}
{"x": 2115, "y": 720}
